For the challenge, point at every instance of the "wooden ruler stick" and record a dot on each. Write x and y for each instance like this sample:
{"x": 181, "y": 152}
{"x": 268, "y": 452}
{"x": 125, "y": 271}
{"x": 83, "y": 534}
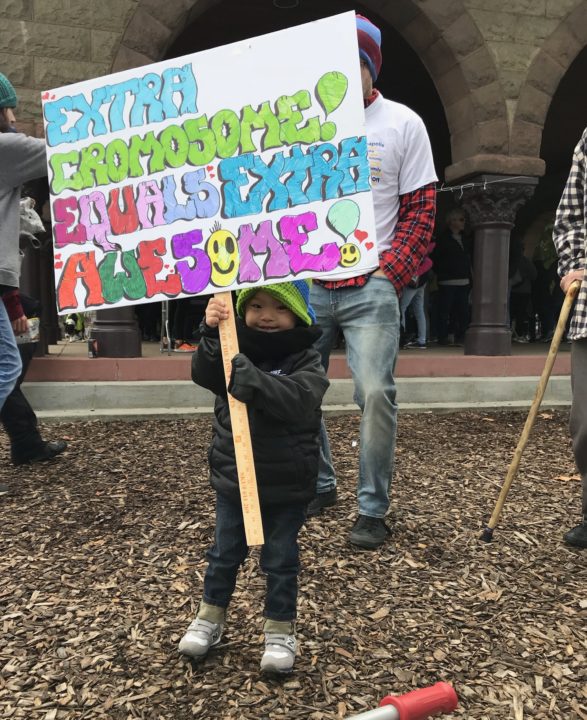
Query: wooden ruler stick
{"x": 241, "y": 432}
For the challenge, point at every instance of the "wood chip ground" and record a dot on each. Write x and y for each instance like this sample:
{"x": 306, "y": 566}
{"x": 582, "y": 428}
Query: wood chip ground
{"x": 102, "y": 559}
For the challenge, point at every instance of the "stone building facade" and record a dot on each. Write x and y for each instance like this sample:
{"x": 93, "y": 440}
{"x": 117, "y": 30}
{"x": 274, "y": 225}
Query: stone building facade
{"x": 496, "y": 70}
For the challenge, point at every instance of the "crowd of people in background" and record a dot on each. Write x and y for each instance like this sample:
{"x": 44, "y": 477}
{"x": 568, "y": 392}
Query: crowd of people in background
{"x": 436, "y": 306}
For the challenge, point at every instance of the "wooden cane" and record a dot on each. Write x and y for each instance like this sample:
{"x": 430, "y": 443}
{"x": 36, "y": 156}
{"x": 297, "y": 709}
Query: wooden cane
{"x": 241, "y": 432}
{"x": 487, "y": 534}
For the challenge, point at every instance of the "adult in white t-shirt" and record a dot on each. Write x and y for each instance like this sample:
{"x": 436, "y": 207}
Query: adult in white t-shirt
{"x": 365, "y": 307}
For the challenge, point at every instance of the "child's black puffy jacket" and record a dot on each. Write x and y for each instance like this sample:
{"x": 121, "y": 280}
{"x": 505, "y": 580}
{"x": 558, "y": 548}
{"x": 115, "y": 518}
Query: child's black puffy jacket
{"x": 281, "y": 379}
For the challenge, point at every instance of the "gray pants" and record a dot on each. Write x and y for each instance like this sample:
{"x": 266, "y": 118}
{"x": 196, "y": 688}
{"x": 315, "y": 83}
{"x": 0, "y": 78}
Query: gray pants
{"x": 579, "y": 412}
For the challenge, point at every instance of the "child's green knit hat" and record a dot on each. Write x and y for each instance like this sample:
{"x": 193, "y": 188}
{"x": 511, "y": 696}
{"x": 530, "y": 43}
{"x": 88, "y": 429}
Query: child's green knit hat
{"x": 294, "y": 295}
{"x": 7, "y": 93}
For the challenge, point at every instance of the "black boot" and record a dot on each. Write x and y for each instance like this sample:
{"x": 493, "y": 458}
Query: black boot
{"x": 46, "y": 451}
{"x": 578, "y": 535}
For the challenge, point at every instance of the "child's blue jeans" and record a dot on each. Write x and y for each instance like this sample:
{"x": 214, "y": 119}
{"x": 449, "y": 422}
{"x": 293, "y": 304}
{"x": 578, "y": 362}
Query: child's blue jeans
{"x": 279, "y": 556}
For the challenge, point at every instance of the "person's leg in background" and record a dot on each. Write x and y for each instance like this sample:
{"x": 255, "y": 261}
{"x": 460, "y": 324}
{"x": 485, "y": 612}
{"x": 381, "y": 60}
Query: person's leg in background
{"x": 417, "y": 303}
{"x": 520, "y": 309}
{"x": 542, "y": 302}
{"x": 445, "y": 304}
{"x": 149, "y": 314}
{"x": 20, "y": 422}
{"x": 460, "y": 309}
{"x": 184, "y": 325}
{"x": 10, "y": 362}
{"x": 171, "y": 311}
{"x": 578, "y": 426}
{"x": 405, "y": 302}
{"x": 432, "y": 303}
{"x": 324, "y": 303}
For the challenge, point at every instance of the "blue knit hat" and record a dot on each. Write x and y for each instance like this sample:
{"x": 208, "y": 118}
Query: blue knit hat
{"x": 369, "y": 37}
{"x": 7, "y": 93}
{"x": 295, "y": 295}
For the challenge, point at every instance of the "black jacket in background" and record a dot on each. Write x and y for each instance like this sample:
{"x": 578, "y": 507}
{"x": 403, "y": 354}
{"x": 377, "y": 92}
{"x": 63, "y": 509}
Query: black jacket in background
{"x": 451, "y": 261}
{"x": 281, "y": 379}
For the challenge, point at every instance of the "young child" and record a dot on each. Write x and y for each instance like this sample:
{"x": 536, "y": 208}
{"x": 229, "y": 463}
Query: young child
{"x": 278, "y": 374}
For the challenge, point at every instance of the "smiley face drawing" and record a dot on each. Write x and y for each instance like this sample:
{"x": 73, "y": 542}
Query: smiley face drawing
{"x": 222, "y": 249}
{"x": 349, "y": 254}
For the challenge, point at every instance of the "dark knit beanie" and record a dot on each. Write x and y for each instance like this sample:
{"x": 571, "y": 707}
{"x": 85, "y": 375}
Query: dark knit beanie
{"x": 369, "y": 45}
{"x": 7, "y": 93}
{"x": 295, "y": 295}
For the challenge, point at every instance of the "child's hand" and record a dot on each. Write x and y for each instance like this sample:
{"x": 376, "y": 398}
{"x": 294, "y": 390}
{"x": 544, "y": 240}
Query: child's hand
{"x": 216, "y": 311}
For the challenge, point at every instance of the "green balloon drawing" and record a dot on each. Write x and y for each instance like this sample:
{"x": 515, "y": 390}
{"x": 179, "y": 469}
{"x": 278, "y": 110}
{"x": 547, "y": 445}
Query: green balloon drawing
{"x": 343, "y": 217}
{"x": 330, "y": 91}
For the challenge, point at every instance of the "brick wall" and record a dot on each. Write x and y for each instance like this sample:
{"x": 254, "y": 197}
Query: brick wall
{"x": 495, "y": 63}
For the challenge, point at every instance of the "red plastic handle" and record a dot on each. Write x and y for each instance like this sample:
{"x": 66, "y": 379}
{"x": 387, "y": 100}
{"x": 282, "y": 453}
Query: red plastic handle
{"x": 422, "y": 704}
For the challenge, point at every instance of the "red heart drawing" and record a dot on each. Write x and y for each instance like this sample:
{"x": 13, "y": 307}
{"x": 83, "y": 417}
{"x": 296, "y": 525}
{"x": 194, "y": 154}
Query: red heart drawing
{"x": 369, "y": 245}
{"x": 57, "y": 256}
{"x": 361, "y": 235}
{"x": 209, "y": 167}
{"x": 212, "y": 175}
{"x": 45, "y": 96}
{"x": 53, "y": 97}
{"x": 58, "y": 265}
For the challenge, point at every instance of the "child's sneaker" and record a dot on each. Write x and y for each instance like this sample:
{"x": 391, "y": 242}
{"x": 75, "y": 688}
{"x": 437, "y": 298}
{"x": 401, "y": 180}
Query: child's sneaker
{"x": 280, "y": 653}
{"x": 201, "y": 635}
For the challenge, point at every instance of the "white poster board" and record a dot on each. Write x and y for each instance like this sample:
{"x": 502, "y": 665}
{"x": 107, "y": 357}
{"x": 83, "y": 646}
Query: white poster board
{"x": 234, "y": 167}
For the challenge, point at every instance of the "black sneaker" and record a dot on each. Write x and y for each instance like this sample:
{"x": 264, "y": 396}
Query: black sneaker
{"x": 47, "y": 451}
{"x": 369, "y": 532}
{"x": 321, "y": 501}
{"x": 577, "y": 536}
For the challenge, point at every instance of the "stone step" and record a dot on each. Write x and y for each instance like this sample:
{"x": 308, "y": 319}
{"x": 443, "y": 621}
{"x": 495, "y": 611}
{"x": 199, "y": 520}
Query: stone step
{"x": 177, "y": 398}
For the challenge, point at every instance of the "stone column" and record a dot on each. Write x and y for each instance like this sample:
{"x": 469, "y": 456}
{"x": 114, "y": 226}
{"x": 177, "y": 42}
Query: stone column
{"x": 117, "y": 334}
{"x": 492, "y": 208}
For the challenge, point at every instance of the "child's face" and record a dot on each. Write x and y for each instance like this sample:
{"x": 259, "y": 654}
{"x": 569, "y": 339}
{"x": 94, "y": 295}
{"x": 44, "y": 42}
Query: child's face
{"x": 266, "y": 313}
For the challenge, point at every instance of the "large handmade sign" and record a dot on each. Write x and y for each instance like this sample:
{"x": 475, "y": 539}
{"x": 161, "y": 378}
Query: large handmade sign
{"x": 242, "y": 165}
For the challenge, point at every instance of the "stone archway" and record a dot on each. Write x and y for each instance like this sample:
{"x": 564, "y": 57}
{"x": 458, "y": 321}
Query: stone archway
{"x": 548, "y": 68}
{"x": 445, "y": 37}
{"x": 455, "y": 54}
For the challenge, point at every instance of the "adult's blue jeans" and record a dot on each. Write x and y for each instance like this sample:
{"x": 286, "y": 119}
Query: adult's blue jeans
{"x": 415, "y": 298}
{"x": 369, "y": 318}
{"x": 10, "y": 362}
{"x": 279, "y": 556}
